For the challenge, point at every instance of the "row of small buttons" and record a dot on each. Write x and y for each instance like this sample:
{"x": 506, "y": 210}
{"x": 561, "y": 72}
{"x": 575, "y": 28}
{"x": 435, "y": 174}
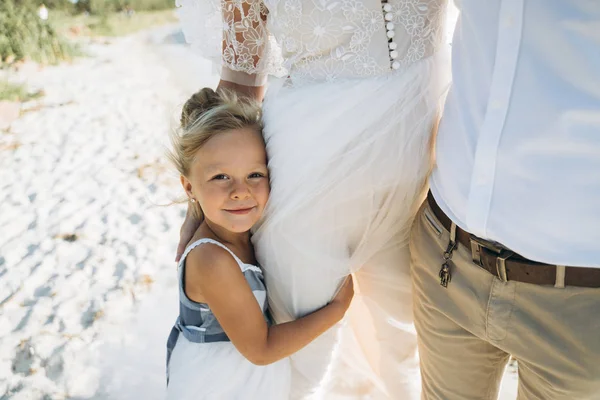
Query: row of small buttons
{"x": 389, "y": 26}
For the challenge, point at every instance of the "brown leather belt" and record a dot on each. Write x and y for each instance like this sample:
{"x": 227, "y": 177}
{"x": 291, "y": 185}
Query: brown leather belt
{"x": 509, "y": 266}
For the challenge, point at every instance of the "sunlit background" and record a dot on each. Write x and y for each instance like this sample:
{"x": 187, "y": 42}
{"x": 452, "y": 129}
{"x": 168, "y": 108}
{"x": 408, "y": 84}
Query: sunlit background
{"x": 88, "y": 91}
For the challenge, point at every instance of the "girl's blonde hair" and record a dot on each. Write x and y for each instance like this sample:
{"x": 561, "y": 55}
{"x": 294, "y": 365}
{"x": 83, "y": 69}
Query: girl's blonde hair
{"x": 206, "y": 114}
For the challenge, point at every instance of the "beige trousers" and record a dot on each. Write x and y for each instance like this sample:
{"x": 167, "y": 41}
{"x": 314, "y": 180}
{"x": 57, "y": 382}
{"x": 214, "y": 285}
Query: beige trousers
{"x": 468, "y": 330}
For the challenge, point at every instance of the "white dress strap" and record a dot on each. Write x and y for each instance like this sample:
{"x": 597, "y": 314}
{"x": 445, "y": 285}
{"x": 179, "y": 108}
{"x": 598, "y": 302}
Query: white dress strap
{"x": 243, "y": 266}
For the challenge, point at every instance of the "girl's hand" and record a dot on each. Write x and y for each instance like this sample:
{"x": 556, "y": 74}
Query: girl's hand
{"x": 213, "y": 272}
{"x": 344, "y": 296}
{"x": 189, "y": 227}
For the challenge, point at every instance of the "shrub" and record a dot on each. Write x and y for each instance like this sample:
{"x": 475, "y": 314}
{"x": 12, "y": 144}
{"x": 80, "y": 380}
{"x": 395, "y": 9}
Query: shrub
{"x": 99, "y": 7}
{"x": 23, "y": 35}
{"x": 16, "y": 92}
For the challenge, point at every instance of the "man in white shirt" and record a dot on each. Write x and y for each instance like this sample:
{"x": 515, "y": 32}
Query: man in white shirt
{"x": 506, "y": 249}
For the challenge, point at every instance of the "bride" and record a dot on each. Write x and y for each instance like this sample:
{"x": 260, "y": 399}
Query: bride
{"x": 353, "y": 96}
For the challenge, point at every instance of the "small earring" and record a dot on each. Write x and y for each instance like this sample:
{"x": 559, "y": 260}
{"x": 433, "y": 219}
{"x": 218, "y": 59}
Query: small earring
{"x": 193, "y": 200}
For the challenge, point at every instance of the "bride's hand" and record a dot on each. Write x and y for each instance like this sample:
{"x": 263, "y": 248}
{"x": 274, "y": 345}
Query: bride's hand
{"x": 189, "y": 227}
{"x": 344, "y": 296}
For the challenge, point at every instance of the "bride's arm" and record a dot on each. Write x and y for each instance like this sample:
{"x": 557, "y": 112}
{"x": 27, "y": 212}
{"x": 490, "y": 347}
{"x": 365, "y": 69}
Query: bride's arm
{"x": 255, "y": 92}
{"x": 234, "y": 35}
{"x": 245, "y": 47}
{"x": 237, "y": 31}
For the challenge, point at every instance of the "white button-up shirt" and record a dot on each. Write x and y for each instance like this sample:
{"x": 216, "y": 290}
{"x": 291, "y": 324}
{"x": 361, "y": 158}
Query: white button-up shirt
{"x": 518, "y": 149}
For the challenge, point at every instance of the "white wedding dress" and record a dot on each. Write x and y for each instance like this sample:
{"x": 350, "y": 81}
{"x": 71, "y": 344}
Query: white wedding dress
{"x": 353, "y": 96}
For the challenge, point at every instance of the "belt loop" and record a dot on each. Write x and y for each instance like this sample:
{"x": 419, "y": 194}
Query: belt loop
{"x": 501, "y": 264}
{"x": 475, "y": 252}
{"x": 453, "y": 233}
{"x": 560, "y": 276}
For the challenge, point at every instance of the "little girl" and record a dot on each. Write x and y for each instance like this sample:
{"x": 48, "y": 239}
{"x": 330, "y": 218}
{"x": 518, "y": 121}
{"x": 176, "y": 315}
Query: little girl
{"x": 222, "y": 346}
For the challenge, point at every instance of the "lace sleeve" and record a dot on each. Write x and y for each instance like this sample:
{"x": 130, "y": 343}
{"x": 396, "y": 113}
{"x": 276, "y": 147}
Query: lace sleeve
{"x": 233, "y": 34}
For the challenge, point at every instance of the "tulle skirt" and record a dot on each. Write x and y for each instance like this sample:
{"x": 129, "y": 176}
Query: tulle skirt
{"x": 348, "y": 163}
{"x": 217, "y": 371}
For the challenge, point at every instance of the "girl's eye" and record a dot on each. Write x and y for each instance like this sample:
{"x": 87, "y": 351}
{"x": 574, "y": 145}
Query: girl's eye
{"x": 219, "y": 177}
{"x": 256, "y": 175}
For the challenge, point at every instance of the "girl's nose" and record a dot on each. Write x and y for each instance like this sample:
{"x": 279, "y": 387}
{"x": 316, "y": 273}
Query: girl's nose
{"x": 240, "y": 191}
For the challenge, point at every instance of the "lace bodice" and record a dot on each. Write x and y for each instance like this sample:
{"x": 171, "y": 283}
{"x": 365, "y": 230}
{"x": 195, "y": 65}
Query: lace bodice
{"x": 313, "y": 39}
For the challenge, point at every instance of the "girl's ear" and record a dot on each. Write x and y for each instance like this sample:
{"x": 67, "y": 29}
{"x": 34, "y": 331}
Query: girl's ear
{"x": 187, "y": 186}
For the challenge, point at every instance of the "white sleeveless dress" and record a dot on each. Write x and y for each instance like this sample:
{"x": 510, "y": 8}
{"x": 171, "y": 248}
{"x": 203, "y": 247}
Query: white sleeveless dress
{"x": 217, "y": 370}
{"x": 348, "y": 124}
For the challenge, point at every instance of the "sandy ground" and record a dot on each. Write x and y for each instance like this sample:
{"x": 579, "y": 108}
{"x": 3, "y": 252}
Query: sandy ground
{"x": 83, "y": 233}
{"x": 87, "y": 281}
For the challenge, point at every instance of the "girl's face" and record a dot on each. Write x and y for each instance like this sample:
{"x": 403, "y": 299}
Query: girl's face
{"x": 230, "y": 180}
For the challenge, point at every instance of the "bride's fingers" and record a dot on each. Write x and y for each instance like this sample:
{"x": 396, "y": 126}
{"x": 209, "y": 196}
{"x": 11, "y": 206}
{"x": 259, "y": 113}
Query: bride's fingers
{"x": 185, "y": 235}
{"x": 180, "y": 250}
{"x": 188, "y": 228}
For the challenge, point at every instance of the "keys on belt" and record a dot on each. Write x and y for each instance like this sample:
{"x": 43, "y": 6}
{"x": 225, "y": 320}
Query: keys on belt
{"x": 504, "y": 263}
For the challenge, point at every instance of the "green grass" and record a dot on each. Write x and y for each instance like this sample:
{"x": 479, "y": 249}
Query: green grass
{"x": 99, "y": 7}
{"x": 112, "y": 24}
{"x": 16, "y": 92}
{"x": 23, "y": 36}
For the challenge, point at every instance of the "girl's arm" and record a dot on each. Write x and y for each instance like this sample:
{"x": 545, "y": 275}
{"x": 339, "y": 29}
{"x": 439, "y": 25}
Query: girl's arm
{"x": 215, "y": 278}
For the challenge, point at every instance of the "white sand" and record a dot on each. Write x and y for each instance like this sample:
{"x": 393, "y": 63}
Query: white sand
{"x": 87, "y": 316}
{"x": 88, "y": 161}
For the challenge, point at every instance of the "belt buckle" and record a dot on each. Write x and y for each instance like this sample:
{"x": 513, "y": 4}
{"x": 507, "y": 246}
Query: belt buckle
{"x": 502, "y": 254}
{"x": 477, "y": 244}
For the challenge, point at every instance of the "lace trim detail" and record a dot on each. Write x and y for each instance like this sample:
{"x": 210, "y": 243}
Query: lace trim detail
{"x": 233, "y": 34}
{"x": 329, "y": 39}
{"x": 423, "y": 21}
{"x": 315, "y": 39}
